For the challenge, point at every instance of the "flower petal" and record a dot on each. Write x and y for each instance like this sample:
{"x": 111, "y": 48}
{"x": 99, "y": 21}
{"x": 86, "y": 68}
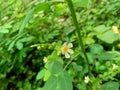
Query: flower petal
{"x": 70, "y": 45}
{"x": 86, "y": 81}
{"x": 64, "y": 44}
{"x": 63, "y": 51}
{"x": 67, "y": 55}
{"x": 71, "y": 51}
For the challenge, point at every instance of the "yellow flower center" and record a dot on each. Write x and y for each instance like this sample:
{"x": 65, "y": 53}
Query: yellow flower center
{"x": 66, "y": 48}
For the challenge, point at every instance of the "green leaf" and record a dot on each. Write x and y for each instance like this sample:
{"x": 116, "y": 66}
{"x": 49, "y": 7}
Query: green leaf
{"x": 60, "y": 9}
{"x": 61, "y": 82}
{"x": 106, "y": 56}
{"x": 81, "y": 3}
{"x": 55, "y": 67}
{"x": 4, "y": 30}
{"x": 89, "y": 40}
{"x": 91, "y": 57}
{"x": 28, "y": 16}
{"x": 27, "y": 39}
{"x": 101, "y": 29}
{"x": 41, "y": 6}
{"x": 108, "y": 37}
{"x": 69, "y": 30}
{"x": 7, "y": 25}
{"x": 19, "y": 45}
{"x": 81, "y": 86}
{"x": 96, "y": 48}
{"x": 51, "y": 83}
{"x": 76, "y": 67}
{"x": 47, "y": 75}
{"x": 40, "y": 74}
{"x": 110, "y": 86}
{"x": 11, "y": 45}
{"x": 65, "y": 81}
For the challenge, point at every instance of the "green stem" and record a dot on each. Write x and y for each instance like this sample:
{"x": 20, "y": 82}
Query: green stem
{"x": 70, "y": 61}
{"x": 70, "y": 4}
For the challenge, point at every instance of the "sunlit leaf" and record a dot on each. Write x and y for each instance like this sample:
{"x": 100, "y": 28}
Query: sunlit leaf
{"x": 40, "y": 74}
{"x": 81, "y": 3}
{"x": 41, "y": 6}
{"x": 19, "y": 45}
{"x": 4, "y": 30}
{"x": 47, "y": 75}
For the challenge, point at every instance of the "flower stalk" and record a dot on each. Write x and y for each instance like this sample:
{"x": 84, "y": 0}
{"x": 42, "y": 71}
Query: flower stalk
{"x": 80, "y": 41}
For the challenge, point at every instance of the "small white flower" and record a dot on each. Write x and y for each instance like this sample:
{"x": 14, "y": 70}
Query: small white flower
{"x": 45, "y": 59}
{"x": 114, "y": 66}
{"x": 66, "y": 49}
{"x": 87, "y": 79}
{"x": 4, "y": 18}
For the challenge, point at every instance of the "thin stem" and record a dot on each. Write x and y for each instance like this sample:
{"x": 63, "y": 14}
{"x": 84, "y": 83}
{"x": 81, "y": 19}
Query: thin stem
{"x": 70, "y": 61}
{"x": 70, "y": 4}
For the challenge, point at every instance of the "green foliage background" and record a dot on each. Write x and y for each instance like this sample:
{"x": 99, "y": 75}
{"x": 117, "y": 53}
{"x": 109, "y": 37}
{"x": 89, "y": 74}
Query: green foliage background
{"x": 33, "y": 29}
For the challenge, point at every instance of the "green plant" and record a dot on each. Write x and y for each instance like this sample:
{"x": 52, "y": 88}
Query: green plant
{"x": 41, "y": 49}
